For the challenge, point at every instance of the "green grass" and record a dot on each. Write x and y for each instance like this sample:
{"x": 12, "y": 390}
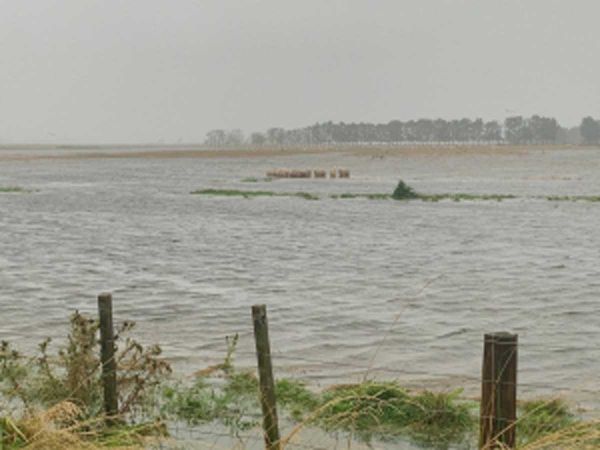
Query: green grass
{"x": 294, "y": 397}
{"x": 256, "y": 180}
{"x": 12, "y": 189}
{"x": 348, "y": 195}
{"x": 385, "y": 410}
{"x": 540, "y": 417}
{"x": 378, "y": 196}
{"x": 405, "y": 192}
{"x": 461, "y": 196}
{"x": 250, "y": 194}
{"x": 573, "y": 198}
{"x": 367, "y": 410}
{"x": 402, "y": 192}
{"x": 234, "y": 193}
{"x": 304, "y": 195}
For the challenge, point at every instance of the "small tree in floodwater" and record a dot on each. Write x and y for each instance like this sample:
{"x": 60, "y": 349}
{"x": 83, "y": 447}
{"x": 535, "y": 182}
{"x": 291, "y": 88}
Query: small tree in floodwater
{"x": 404, "y": 192}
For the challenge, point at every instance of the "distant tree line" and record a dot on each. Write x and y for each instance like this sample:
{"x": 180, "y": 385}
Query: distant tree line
{"x": 514, "y": 130}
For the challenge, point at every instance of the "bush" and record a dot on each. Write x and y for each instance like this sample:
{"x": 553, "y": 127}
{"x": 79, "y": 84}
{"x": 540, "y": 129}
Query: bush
{"x": 74, "y": 373}
{"x": 404, "y": 192}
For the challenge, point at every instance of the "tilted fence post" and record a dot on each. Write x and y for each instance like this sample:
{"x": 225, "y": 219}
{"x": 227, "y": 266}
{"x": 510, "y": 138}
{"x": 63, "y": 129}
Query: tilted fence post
{"x": 265, "y": 375}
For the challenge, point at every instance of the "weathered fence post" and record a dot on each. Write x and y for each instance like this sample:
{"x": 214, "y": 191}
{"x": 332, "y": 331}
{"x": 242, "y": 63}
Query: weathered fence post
{"x": 107, "y": 356}
{"x": 498, "y": 391}
{"x": 265, "y": 374}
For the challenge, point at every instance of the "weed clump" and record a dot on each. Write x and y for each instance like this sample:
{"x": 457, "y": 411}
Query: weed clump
{"x": 306, "y": 195}
{"x": 542, "y": 417}
{"x": 386, "y": 410}
{"x": 59, "y": 396}
{"x": 296, "y": 398}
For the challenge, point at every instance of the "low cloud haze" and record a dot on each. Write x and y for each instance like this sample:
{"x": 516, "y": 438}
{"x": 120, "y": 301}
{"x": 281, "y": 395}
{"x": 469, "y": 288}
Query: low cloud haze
{"x": 146, "y": 71}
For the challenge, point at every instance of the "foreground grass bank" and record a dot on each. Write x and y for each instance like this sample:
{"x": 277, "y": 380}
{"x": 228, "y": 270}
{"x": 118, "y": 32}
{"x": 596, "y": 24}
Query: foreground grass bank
{"x": 53, "y": 400}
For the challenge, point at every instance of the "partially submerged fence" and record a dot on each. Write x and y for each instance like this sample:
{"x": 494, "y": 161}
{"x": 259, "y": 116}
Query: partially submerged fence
{"x": 498, "y": 413}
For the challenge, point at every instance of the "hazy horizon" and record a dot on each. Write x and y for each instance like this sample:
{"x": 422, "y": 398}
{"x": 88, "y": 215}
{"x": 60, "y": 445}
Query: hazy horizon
{"x": 154, "y": 71}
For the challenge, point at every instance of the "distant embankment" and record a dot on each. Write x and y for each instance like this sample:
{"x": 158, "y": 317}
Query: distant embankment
{"x": 27, "y": 153}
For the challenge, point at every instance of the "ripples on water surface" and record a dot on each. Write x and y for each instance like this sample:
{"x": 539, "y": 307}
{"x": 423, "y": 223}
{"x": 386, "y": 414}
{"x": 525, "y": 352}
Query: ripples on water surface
{"x": 338, "y": 275}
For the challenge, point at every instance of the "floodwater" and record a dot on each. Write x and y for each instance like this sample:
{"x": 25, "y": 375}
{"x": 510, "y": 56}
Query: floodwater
{"x": 405, "y": 289}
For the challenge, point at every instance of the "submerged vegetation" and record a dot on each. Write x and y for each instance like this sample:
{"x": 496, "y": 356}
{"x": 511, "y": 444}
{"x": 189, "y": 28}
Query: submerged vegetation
{"x": 574, "y": 198}
{"x": 402, "y": 192}
{"x": 12, "y": 189}
{"x": 250, "y": 194}
{"x": 385, "y": 410}
{"x": 366, "y": 410}
{"x": 256, "y": 180}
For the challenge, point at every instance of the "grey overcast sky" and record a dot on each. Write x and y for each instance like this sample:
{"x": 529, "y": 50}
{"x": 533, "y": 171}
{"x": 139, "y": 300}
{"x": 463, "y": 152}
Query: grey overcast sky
{"x": 143, "y": 71}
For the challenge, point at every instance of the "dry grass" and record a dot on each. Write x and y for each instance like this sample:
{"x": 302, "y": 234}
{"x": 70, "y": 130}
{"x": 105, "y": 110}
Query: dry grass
{"x": 580, "y": 436}
{"x": 62, "y": 427}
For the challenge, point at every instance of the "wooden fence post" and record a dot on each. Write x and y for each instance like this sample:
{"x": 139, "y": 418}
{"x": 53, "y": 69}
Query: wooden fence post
{"x": 107, "y": 356}
{"x": 498, "y": 391}
{"x": 265, "y": 374}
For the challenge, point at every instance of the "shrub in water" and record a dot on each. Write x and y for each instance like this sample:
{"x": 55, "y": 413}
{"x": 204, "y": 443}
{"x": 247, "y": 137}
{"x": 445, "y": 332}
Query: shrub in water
{"x": 404, "y": 192}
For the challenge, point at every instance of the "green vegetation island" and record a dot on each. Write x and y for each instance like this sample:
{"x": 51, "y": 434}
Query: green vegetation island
{"x": 402, "y": 192}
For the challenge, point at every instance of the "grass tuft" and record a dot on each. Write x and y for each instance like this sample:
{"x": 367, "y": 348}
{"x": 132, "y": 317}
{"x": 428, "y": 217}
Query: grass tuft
{"x": 541, "y": 417}
{"x": 296, "y": 398}
{"x": 12, "y": 189}
{"x": 386, "y": 410}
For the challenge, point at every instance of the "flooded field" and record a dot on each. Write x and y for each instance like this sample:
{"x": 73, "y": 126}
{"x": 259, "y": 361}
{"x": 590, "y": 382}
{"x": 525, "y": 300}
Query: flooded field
{"x": 404, "y": 288}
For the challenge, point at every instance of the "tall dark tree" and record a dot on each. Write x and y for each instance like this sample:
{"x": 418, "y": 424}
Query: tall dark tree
{"x": 590, "y": 130}
{"x": 258, "y": 139}
{"x": 515, "y": 130}
{"x": 492, "y": 132}
{"x": 215, "y": 138}
{"x": 276, "y": 136}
